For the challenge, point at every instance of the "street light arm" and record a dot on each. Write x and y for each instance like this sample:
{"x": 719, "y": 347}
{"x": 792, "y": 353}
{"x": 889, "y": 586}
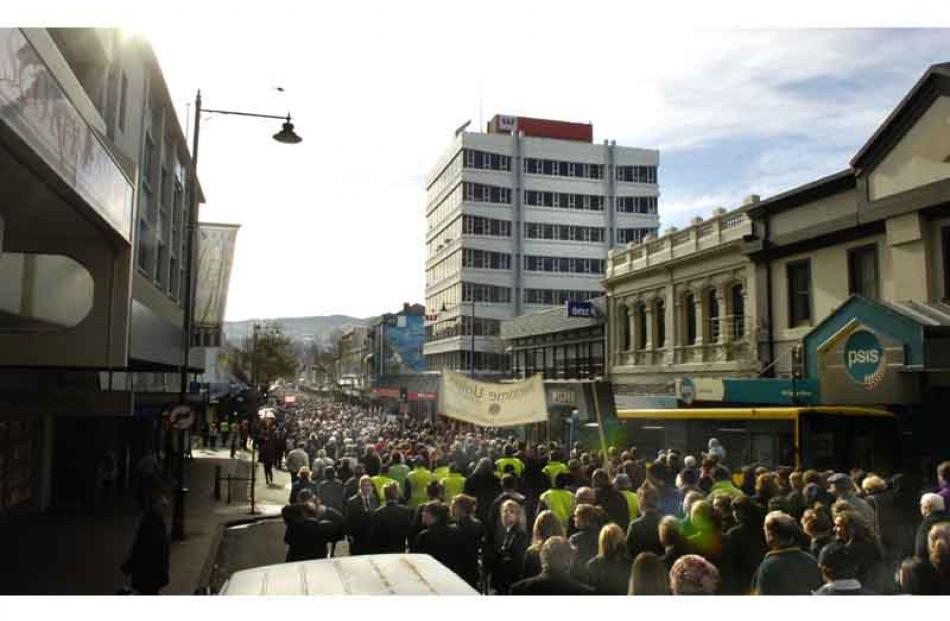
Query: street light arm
{"x": 259, "y": 116}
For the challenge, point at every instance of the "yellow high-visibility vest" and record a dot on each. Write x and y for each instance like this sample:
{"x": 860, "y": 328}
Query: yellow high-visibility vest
{"x": 418, "y": 479}
{"x": 561, "y": 503}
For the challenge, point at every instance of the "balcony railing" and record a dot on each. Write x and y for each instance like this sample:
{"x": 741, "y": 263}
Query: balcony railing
{"x": 736, "y": 345}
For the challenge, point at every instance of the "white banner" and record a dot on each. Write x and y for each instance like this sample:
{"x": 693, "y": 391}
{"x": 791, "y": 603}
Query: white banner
{"x": 493, "y": 405}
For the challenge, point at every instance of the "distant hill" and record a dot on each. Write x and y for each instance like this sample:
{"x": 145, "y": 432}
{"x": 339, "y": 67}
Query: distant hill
{"x": 302, "y": 329}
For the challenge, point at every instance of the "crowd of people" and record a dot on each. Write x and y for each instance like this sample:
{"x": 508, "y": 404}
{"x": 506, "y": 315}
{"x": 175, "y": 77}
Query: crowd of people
{"x": 510, "y": 518}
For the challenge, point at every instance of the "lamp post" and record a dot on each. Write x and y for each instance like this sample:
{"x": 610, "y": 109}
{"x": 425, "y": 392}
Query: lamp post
{"x": 472, "y": 361}
{"x": 286, "y": 136}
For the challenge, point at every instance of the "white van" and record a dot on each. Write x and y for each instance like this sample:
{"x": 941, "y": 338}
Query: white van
{"x": 372, "y": 574}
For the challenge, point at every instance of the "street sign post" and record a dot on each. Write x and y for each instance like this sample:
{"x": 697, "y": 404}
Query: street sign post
{"x": 181, "y": 417}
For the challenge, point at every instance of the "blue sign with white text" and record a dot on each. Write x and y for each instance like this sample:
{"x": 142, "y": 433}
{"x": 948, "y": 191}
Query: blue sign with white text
{"x": 579, "y": 309}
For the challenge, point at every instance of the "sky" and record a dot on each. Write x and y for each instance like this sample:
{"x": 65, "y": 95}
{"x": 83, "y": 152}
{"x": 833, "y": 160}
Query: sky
{"x": 336, "y": 224}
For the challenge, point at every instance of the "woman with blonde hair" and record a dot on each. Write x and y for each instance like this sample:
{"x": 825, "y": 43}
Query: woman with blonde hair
{"x": 649, "y": 576}
{"x": 609, "y": 571}
{"x": 504, "y": 556}
{"x": 938, "y": 548}
{"x": 546, "y": 525}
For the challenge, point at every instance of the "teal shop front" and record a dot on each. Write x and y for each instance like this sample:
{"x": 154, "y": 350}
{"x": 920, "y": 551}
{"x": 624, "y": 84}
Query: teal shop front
{"x": 890, "y": 354}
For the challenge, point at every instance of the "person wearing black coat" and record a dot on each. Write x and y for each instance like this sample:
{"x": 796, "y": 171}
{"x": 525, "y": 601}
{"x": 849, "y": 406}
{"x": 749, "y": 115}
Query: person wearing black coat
{"x": 610, "y": 500}
{"x": 440, "y": 539}
{"x": 503, "y": 557}
{"x": 434, "y": 493}
{"x": 509, "y": 485}
{"x": 745, "y": 548}
{"x": 311, "y": 530}
{"x": 588, "y": 520}
{"x": 643, "y": 532}
{"x": 483, "y": 485}
{"x": 359, "y": 510}
{"x": 557, "y": 558}
{"x": 933, "y": 511}
{"x": 473, "y": 538}
{"x": 390, "y": 524}
{"x": 148, "y": 561}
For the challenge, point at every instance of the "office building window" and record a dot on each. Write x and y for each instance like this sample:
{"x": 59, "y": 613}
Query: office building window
{"x": 636, "y": 204}
{"x": 553, "y": 168}
{"x": 862, "y": 271}
{"x": 485, "y": 260}
{"x": 563, "y": 232}
{"x": 634, "y": 235}
{"x": 712, "y": 305}
{"x": 636, "y": 174}
{"x": 476, "y": 225}
{"x": 482, "y": 160}
{"x": 799, "y": 293}
{"x": 583, "y": 202}
{"x": 557, "y": 297}
{"x": 485, "y": 293}
{"x": 481, "y": 193}
{"x": 567, "y": 265}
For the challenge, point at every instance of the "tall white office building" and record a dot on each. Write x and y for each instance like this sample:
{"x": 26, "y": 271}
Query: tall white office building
{"x": 520, "y": 218}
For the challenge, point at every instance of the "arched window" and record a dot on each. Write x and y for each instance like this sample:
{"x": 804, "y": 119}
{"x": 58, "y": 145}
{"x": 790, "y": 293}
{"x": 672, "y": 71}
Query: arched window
{"x": 712, "y": 304}
{"x": 689, "y": 307}
{"x": 625, "y": 327}
{"x": 738, "y": 310}
{"x": 641, "y": 326}
{"x": 659, "y": 316}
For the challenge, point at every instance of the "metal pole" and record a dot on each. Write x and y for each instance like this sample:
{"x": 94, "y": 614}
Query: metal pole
{"x": 253, "y": 422}
{"x": 178, "y": 511}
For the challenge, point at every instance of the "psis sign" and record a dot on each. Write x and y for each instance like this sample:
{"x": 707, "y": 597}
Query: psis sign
{"x": 864, "y": 359}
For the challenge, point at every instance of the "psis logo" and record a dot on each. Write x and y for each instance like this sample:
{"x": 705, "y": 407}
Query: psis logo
{"x": 864, "y": 359}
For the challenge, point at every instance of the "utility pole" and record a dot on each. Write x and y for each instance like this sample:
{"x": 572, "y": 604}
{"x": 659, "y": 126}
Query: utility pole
{"x": 252, "y": 427}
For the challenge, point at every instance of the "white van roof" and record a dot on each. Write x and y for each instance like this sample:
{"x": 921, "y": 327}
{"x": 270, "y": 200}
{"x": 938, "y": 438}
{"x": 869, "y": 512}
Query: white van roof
{"x": 373, "y": 574}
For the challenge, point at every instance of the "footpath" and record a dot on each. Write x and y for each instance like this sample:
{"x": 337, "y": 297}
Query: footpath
{"x": 81, "y": 554}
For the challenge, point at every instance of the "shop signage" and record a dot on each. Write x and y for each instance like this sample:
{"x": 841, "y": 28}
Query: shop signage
{"x": 865, "y": 359}
{"x": 563, "y": 397}
{"x": 579, "y": 309}
{"x": 181, "y": 417}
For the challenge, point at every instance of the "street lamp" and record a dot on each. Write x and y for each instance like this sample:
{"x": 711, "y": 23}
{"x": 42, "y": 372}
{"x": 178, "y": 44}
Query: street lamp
{"x": 286, "y": 136}
{"x": 472, "y": 362}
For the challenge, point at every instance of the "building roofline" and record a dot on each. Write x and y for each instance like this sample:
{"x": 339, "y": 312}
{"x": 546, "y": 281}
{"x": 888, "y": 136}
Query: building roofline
{"x": 813, "y": 190}
{"x": 932, "y": 84}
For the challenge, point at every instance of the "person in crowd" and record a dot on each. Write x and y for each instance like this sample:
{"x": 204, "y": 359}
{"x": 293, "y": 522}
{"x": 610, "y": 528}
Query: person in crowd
{"x": 722, "y": 483}
{"x": 434, "y": 492}
{"x": 668, "y": 498}
{"x": 685, "y": 523}
{"x": 417, "y": 482}
{"x": 484, "y": 486}
{"x": 398, "y": 471}
{"x": 623, "y": 485}
{"x": 297, "y": 459}
{"x": 717, "y": 451}
{"x": 673, "y": 542}
{"x": 609, "y": 571}
{"x": 817, "y": 525}
{"x": 707, "y": 538}
{"x": 381, "y": 480}
{"x": 453, "y": 483}
{"x": 643, "y": 533}
{"x": 504, "y": 555}
{"x": 440, "y": 538}
{"x": 559, "y": 500}
{"x": 148, "y": 562}
{"x": 557, "y": 559}
{"x": 359, "y": 511}
{"x": 390, "y": 524}
{"x": 371, "y": 460}
{"x": 313, "y": 529}
{"x": 916, "y": 576}
{"x": 472, "y": 539}
{"x": 890, "y": 523}
{"x": 509, "y": 460}
{"x": 554, "y": 466}
{"x": 785, "y": 570}
{"x": 588, "y": 519}
{"x": 795, "y": 497}
{"x": 766, "y": 488}
{"x": 838, "y": 571}
{"x": 330, "y": 490}
{"x": 546, "y": 525}
{"x": 351, "y": 486}
{"x": 509, "y": 491}
{"x": 303, "y": 482}
{"x": 943, "y": 483}
{"x": 610, "y": 500}
{"x": 821, "y": 493}
{"x": 842, "y": 487}
{"x": 933, "y": 511}
{"x": 694, "y": 575}
{"x": 649, "y": 575}
{"x": 852, "y": 531}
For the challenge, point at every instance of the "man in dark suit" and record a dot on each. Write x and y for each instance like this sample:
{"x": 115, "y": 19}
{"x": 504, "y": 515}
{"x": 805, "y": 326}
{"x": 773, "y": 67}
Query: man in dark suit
{"x": 440, "y": 539}
{"x": 359, "y": 511}
{"x": 472, "y": 530}
{"x": 149, "y": 560}
{"x": 433, "y": 492}
{"x": 643, "y": 535}
{"x": 557, "y": 558}
{"x": 391, "y": 524}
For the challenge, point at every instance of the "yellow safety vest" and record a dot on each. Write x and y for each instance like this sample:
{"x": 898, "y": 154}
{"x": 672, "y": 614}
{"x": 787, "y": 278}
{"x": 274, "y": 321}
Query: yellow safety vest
{"x": 379, "y": 482}
{"x": 516, "y": 463}
{"x": 418, "y": 481}
{"x": 452, "y": 485}
{"x": 561, "y": 503}
{"x": 440, "y": 473}
{"x": 633, "y": 503}
{"x": 554, "y": 468}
